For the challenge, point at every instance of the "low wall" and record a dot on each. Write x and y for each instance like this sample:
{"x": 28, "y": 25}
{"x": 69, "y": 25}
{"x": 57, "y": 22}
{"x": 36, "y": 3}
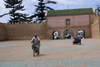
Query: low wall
{"x": 2, "y": 32}
{"x": 25, "y": 31}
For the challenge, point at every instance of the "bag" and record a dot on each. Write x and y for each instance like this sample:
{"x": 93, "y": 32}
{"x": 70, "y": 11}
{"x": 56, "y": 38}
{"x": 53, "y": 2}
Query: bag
{"x": 76, "y": 39}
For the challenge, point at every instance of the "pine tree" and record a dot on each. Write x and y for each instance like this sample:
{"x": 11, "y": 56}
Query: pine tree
{"x": 41, "y": 8}
{"x": 97, "y": 10}
{"x": 15, "y": 6}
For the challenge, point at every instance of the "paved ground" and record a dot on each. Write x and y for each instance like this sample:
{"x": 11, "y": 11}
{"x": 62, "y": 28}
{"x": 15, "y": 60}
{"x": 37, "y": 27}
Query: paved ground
{"x": 54, "y": 53}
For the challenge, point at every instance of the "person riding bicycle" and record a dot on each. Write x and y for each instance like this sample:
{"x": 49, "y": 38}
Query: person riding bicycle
{"x": 36, "y": 42}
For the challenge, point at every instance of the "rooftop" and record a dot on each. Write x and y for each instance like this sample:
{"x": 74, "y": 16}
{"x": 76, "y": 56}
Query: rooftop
{"x": 70, "y": 11}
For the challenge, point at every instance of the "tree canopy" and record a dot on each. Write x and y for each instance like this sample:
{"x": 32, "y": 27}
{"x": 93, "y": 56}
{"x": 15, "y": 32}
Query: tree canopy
{"x": 15, "y": 6}
{"x": 97, "y": 10}
{"x": 41, "y": 8}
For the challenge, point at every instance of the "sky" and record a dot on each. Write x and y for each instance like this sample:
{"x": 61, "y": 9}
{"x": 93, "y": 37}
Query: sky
{"x": 61, "y": 5}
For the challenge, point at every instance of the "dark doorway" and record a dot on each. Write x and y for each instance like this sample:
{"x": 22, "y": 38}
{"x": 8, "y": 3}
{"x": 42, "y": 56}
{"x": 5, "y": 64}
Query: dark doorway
{"x": 68, "y": 34}
{"x": 56, "y": 35}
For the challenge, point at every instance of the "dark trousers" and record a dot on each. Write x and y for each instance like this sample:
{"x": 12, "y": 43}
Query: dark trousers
{"x": 80, "y": 41}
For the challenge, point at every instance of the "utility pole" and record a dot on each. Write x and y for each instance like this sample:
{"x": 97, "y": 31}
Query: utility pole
{"x": 68, "y": 6}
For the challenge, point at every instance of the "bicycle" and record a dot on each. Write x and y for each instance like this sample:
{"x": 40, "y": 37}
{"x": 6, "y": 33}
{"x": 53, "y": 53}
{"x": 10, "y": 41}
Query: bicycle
{"x": 34, "y": 50}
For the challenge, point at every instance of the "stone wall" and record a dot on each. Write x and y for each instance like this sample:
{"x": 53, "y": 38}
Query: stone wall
{"x": 22, "y": 31}
{"x": 2, "y": 32}
{"x": 95, "y": 27}
{"x": 25, "y": 31}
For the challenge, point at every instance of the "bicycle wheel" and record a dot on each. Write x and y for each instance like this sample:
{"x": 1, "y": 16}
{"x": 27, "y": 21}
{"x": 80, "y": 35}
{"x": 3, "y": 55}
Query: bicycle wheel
{"x": 37, "y": 51}
{"x": 33, "y": 52}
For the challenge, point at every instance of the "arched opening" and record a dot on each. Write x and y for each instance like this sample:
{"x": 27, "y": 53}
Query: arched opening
{"x": 68, "y": 34}
{"x": 56, "y": 35}
{"x": 82, "y": 33}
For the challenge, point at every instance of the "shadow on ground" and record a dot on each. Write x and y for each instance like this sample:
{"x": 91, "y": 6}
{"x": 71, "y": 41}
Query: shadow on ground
{"x": 42, "y": 55}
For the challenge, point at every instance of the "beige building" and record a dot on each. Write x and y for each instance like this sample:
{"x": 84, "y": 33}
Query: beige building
{"x": 96, "y": 26}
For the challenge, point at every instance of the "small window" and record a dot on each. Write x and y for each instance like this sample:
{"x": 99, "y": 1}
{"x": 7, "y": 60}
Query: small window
{"x": 67, "y": 22}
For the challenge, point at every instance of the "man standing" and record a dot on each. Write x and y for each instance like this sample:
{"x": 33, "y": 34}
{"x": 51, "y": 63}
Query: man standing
{"x": 36, "y": 41}
{"x": 79, "y": 37}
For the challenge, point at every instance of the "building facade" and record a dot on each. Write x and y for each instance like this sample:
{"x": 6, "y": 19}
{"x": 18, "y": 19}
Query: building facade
{"x": 72, "y": 19}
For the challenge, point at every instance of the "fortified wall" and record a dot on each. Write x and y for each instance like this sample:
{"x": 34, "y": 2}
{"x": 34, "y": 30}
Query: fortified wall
{"x": 2, "y": 32}
{"x": 22, "y": 31}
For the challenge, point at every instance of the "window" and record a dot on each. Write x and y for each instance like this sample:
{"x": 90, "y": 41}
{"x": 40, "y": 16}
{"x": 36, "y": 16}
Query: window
{"x": 67, "y": 22}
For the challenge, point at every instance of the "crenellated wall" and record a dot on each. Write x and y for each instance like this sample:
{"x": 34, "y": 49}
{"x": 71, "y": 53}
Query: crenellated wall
{"x": 2, "y": 32}
{"x": 24, "y": 31}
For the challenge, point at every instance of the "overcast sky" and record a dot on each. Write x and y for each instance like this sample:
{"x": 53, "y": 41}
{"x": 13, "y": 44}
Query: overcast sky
{"x": 61, "y": 4}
